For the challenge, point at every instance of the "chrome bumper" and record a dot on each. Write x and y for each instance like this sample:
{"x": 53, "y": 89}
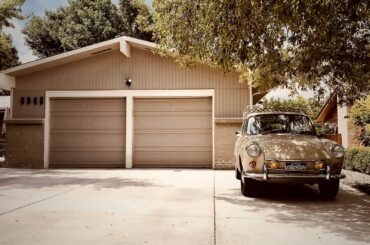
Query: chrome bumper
{"x": 325, "y": 175}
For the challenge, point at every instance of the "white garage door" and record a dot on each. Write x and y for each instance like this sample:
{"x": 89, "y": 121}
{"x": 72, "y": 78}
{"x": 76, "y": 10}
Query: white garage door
{"x": 173, "y": 132}
{"x": 87, "y": 133}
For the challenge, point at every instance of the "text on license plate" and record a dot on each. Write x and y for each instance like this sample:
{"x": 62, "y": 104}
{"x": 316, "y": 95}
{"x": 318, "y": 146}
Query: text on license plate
{"x": 296, "y": 166}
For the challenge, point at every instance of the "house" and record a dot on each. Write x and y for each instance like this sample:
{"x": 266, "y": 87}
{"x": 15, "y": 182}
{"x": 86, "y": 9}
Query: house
{"x": 5, "y": 87}
{"x": 119, "y": 104}
{"x": 338, "y": 118}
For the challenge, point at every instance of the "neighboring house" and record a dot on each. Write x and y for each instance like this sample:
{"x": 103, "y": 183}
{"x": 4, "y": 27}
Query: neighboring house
{"x": 4, "y": 113}
{"x": 118, "y": 104}
{"x": 337, "y": 118}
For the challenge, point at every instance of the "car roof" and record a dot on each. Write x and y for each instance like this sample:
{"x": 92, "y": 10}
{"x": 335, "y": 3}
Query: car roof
{"x": 274, "y": 112}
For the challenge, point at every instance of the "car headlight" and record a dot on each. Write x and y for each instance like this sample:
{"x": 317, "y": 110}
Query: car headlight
{"x": 253, "y": 150}
{"x": 337, "y": 151}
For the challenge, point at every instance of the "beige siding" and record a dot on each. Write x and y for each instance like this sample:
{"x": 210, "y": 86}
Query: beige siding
{"x": 148, "y": 71}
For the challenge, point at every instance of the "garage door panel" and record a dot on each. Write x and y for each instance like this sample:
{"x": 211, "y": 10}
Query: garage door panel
{"x": 88, "y": 140}
{"x": 88, "y": 132}
{"x": 88, "y": 122}
{"x": 173, "y": 132}
{"x": 87, "y": 105}
{"x": 175, "y": 105}
{"x": 173, "y": 140}
{"x": 168, "y": 158}
{"x": 77, "y": 157}
{"x": 173, "y": 122}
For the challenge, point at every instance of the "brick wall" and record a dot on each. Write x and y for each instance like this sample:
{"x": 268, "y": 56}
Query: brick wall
{"x": 24, "y": 145}
{"x": 224, "y": 143}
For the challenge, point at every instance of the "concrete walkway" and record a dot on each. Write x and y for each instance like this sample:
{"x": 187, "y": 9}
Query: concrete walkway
{"x": 170, "y": 207}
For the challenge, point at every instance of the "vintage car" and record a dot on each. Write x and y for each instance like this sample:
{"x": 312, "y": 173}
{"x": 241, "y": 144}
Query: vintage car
{"x": 283, "y": 146}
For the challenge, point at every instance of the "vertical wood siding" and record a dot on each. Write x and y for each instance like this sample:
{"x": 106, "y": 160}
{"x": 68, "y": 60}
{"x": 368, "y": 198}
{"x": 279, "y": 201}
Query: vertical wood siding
{"x": 147, "y": 71}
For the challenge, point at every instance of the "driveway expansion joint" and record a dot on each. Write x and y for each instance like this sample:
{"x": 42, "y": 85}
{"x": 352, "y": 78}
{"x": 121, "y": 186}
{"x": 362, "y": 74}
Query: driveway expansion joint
{"x": 47, "y": 198}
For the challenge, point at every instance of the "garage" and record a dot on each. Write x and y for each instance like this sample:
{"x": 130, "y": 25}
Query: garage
{"x": 120, "y": 104}
{"x": 87, "y": 132}
{"x": 173, "y": 132}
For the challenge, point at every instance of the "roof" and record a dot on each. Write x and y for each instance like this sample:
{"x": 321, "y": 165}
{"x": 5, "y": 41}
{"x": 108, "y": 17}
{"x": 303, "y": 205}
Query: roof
{"x": 123, "y": 44}
{"x": 327, "y": 108}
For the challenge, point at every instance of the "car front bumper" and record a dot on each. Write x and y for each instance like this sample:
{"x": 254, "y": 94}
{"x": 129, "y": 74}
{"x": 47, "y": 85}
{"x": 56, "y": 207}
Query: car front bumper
{"x": 267, "y": 175}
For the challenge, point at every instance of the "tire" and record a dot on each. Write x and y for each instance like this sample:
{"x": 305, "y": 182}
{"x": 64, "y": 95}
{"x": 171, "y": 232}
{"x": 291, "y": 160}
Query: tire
{"x": 237, "y": 173}
{"x": 329, "y": 189}
{"x": 248, "y": 187}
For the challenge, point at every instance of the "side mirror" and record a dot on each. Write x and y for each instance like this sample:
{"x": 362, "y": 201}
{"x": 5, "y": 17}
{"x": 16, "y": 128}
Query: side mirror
{"x": 238, "y": 133}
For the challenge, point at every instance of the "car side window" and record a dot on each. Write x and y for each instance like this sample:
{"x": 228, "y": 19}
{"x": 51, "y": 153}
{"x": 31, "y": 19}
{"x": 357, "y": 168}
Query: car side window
{"x": 244, "y": 126}
{"x": 249, "y": 125}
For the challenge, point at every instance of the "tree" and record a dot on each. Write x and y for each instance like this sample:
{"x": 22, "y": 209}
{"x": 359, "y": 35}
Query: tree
{"x": 8, "y": 9}
{"x": 312, "y": 44}
{"x": 8, "y": 53}
{"x": 310, "y": 106}
{"x": 82, "y": 23}
{"x": 136, "y": 19}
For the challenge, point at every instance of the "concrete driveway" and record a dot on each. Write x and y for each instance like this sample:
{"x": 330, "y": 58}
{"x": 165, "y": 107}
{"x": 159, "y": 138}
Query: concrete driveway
{"x": 170, "y": 207}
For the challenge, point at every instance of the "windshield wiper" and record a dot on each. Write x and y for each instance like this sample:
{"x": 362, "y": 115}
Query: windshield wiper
{"x": 272, "y": 131}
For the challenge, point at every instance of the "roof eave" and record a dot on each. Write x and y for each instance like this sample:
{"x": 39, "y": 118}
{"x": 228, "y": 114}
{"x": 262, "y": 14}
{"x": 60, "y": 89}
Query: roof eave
{"x": 123, "y": 44}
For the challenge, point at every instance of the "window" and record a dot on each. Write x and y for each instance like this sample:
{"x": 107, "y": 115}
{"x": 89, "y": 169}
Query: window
{"x": 279, "y": 123}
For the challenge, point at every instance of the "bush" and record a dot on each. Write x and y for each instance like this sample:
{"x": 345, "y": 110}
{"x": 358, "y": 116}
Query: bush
{"x": 358, "y": 159}
{"x": 363, "y": 187}
{"x": 360, "y": 117}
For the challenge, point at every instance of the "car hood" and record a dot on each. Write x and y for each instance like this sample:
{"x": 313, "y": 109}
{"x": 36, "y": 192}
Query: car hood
{"x": 293, "y": 147}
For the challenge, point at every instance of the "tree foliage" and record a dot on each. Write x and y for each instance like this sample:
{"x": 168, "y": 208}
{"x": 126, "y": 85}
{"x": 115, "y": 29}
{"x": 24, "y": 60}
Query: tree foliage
{"x": 8, "y": 53}
{"x": 360, "y": 117}
{"x": 136, "y": 19}
{"x": 310, "y": 106}
{"x": 9, "y": 9}
{"x": 312, "y": 44}
{"x": 82, "y": 23}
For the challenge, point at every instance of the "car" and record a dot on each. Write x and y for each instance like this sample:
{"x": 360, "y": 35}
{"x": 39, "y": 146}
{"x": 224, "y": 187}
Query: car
{"x": 283, "y": 146}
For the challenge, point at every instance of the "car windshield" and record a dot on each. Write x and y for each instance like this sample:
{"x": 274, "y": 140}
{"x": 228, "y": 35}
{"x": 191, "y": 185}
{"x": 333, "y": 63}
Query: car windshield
{"x": 279, "y": 123}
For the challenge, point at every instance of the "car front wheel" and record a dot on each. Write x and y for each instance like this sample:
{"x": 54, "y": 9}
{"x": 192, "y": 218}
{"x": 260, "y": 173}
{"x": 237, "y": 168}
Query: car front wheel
{"x": 329, "y": 189}
{"x": 248, "y": 187}
{"x": 237, "y": 173}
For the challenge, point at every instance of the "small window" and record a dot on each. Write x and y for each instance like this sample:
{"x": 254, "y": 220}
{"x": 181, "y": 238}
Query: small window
{"x": 28, "y": 100}
{"x": 22, "y": 101}
{"x": 35, "y": 100}
{"x": 41, "y": 100}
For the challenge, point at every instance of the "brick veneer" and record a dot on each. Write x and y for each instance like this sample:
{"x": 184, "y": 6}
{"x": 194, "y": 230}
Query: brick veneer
{"x": 24, "y": 145}
{"x": 224, "y": 144}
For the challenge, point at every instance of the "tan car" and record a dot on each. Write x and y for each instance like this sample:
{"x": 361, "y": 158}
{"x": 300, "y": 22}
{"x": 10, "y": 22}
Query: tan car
{"x": 280, "y": 146}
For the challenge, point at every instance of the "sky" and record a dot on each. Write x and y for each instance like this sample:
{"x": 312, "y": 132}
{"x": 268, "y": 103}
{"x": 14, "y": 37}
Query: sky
{"x": 38, "y": 7}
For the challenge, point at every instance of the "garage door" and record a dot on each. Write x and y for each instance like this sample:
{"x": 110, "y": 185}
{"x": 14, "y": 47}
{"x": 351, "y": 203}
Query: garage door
{"x": 173, "y": 132}
{"x": 87, "y": 133}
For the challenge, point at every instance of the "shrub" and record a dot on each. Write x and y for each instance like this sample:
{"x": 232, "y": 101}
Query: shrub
{"x": 360, "y": 117}
{"x": 358, "y": 159}
{"x": 363, "y": 187}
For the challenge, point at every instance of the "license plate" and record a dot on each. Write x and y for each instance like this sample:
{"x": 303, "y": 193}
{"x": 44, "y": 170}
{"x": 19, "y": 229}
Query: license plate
{"x": 295, "y": 166}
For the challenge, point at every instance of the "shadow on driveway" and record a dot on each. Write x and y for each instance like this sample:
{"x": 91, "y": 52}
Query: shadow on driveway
{"x": 348, "y": 215}
{"x": 46, "y": 179}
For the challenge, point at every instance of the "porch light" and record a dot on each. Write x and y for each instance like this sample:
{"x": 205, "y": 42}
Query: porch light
{"x": 128, "y": 82}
